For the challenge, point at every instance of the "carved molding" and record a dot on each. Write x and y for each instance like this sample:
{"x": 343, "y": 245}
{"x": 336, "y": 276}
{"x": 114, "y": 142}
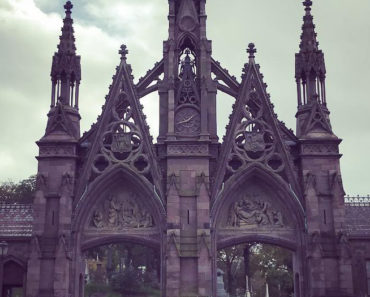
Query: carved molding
{"x": 57, "y": 150}
{"x": 120, "y": 210}
{"x": 186, "y": 150}
{"x": 319, "y": 149}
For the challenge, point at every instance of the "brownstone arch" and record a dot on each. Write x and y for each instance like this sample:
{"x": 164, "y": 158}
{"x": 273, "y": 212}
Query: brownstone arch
{"x": 118, "y": 192}
{"x": 273, "y": 215}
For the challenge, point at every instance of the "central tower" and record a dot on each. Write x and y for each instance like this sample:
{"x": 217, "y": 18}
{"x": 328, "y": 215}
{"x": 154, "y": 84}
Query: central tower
{"x": 186, "y": 143}
{"x": 187, "y": 94}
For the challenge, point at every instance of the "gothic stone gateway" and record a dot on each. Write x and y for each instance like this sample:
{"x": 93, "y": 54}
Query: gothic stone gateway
{"x": 189, "y": 195}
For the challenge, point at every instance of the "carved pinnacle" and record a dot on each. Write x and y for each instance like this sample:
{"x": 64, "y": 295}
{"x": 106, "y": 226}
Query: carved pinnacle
{"x": 68, "y": 6}
{"x": 307, "y": 3}
{"x": 123, "y": 51}
{"x": 251, "y": 50}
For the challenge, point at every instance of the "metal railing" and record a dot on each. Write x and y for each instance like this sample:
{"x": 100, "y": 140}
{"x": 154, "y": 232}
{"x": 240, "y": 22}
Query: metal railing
{"x": 357, "y": 200}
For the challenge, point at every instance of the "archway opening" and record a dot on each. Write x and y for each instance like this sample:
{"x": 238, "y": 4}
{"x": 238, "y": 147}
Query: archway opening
{"x": 13, "y": 280}
{"x": 122, "y": 269}
{"x": 255, "y": 269}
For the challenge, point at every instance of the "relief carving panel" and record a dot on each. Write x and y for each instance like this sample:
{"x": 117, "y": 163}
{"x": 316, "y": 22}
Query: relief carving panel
{"x": 121, "y": 210}
{"x": 255, "y": 209}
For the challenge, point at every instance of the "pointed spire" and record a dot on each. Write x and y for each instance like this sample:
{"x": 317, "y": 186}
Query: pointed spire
{"x": 308, "y": 36}
{"x": 67, "y": 40}
{"x": 66, "y": 67}
{"x": 310, "y": 63}
{"x": 312, "y": 115}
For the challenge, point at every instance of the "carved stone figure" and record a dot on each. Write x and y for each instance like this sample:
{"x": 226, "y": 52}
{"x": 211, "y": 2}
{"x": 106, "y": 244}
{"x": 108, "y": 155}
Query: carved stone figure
{"x": 121, "y": 210}
{"x": 254, "y": 211}
{"x": 113, "y": 213}
{"x": 98, "y": 219}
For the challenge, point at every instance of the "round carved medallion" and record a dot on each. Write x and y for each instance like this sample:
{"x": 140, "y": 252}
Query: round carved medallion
{"x": 187, "y": 23}
{"x": 187, "y": 121}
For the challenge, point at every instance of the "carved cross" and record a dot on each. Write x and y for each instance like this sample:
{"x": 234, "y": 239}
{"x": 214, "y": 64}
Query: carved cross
{"x": 68, "y": 6}
{"x": 251, "y": 50}
{"x": 123, "y": 51}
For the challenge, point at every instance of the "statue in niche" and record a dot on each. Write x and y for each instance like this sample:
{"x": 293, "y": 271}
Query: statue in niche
{"x": 254, "y": 211}
{"x": 121, "y": 210}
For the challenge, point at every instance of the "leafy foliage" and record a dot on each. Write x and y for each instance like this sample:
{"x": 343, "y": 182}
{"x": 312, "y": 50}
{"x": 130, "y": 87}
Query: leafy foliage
{"x": 127, "y": 281}
{"x": 127, "y": 268}
{"x": 266, "y": 263}
{"x": 21, "y": 192}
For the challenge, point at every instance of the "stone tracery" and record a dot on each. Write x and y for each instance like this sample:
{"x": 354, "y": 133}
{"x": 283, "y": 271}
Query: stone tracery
{"x": 122, "y": 140}
{"x": 254, "y": 140}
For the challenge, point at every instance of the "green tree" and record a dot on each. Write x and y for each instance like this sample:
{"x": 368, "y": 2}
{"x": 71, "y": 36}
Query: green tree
{"x": 266, "y": 263}
{"x": 130, "y": 268}
{"x": 275, "y": 264}
{"x": 230, "y": 261}
{"x": 21, "y": 192}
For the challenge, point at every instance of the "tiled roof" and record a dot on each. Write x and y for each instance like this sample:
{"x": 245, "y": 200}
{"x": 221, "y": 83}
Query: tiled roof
{"x": 358, "y": 216}
{"x": 16, "y": 220}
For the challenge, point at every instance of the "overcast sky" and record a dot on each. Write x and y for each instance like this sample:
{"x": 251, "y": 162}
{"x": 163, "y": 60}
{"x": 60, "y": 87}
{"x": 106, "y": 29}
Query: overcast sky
{"x": 29, "y": 34}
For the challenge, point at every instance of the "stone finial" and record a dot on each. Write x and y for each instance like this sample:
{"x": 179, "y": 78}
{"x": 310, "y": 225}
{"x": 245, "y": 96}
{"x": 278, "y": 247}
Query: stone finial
{"x": 68, "y": 6}
{"x": 251, "y": 50}
{"x": 307, "y": 3}
{"x": 123, "y": 51}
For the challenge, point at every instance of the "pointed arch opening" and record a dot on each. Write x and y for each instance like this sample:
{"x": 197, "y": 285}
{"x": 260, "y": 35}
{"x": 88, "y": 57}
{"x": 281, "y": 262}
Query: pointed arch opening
{"x": 256, "y": 207}
{"x": 257, "y": 181}
{"x": 187, "y": 41}
{"x": 14, "y": 277}
{"x": 121, "y": 185}
{"x": 118, "y": 207}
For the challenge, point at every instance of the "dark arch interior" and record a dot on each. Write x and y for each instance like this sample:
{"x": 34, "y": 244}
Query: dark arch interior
{"x": 14, "y": 279}
{"x": 122, "y": 269}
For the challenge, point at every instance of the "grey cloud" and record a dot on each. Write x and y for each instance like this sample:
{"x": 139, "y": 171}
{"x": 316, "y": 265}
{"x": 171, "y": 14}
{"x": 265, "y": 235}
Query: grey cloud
{"x": 274, "y": 26}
